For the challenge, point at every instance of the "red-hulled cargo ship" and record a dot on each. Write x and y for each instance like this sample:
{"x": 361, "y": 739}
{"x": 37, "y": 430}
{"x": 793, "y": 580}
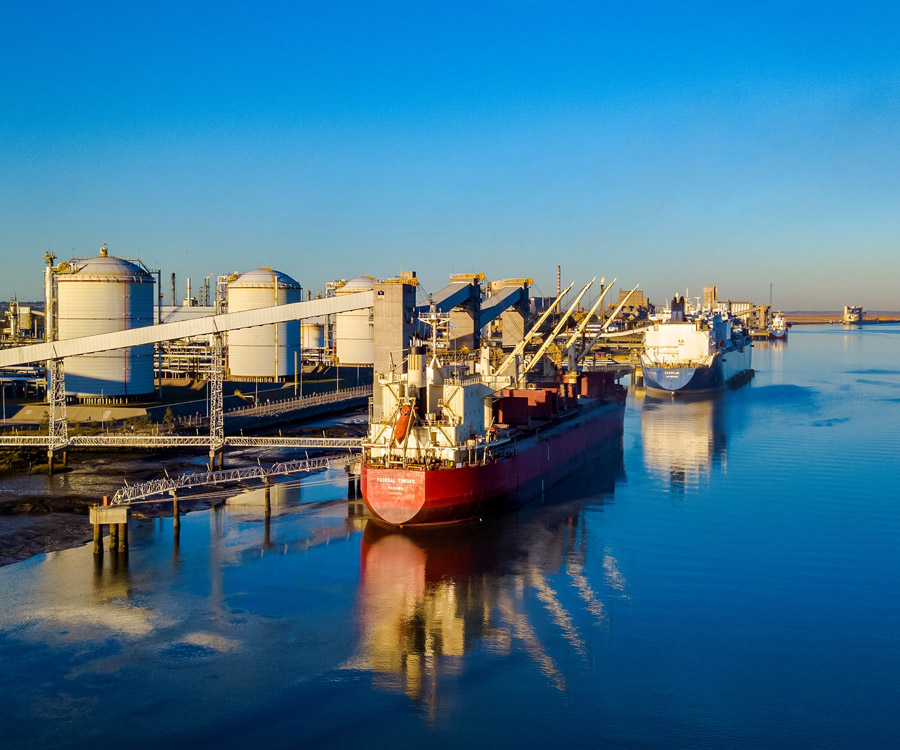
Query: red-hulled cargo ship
{"x": 453, "y": 445}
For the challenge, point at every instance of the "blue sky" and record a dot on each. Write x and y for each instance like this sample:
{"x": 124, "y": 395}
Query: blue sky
{"x": 673, "y": 144}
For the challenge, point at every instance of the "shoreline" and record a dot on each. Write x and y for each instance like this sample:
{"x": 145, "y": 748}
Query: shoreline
{"x": 57, "y": 524}
{"x": 835, "y": 318}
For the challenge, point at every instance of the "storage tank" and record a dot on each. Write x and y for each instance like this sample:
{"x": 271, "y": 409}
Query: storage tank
{"x": 103, "y": 295}
{"x": 313, "y": 334}
{"x": 264, "y": 352}
{"x": 354, "y": 337}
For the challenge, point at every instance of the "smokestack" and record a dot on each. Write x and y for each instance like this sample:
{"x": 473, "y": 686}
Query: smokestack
{"x": 173, "y": 290}
{"x": 558, "y": 280}
{"x": 187, "y": 299}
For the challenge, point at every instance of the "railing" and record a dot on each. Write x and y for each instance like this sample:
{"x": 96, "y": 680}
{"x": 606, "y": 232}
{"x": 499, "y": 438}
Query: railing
{"x": 113, "y": 440}
{"x": 294, "y": 442}
{"x": 167, "y": 485}
{"x": 292, "y": 404}
{"x": 24, "y": 441}
{"x": 609, "y": 364}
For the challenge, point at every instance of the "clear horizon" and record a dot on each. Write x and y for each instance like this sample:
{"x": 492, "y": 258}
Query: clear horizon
{"x": 669, "y": 145}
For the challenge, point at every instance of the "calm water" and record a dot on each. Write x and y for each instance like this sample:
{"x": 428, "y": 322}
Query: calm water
{"x": 728, "y": 576}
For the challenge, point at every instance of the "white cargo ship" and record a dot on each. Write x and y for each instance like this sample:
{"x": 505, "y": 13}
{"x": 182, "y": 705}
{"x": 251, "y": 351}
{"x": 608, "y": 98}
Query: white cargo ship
{"x": 699, "y": 353}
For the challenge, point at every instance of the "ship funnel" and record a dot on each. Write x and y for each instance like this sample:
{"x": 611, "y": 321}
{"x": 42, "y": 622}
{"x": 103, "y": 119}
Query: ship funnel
{"x": 415, "y": 366}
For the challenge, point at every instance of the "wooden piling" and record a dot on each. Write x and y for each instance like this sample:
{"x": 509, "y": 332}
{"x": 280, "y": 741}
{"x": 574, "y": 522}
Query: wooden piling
{"x": 123, "y": 537}
{"x": 113, "y": 536}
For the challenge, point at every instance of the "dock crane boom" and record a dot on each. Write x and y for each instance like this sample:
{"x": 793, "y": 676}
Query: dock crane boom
{"x": 534, "y": 329}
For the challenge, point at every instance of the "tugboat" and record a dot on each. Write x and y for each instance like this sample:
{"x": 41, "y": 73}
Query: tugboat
{"x": 460, "y": 440}
{"x": 695, "y": 354}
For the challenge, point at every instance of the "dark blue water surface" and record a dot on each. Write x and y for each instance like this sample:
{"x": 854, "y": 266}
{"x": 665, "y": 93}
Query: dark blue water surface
{"x": 726, "y": 576}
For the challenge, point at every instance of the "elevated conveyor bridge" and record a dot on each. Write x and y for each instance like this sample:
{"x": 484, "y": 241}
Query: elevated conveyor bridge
{"x": 54, "y": 353}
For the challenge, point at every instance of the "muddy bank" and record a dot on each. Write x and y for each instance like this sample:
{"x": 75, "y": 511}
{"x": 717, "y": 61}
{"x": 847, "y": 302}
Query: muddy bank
{"x": 33, "y": 525}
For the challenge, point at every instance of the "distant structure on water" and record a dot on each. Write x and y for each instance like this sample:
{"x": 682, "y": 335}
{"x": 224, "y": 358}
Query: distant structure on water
{"x": 853, "y": 314}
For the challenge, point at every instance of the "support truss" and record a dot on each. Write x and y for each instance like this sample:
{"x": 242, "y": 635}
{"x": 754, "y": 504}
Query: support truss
{"x": 216, "y": 409}
{"x": 56, "y": 400}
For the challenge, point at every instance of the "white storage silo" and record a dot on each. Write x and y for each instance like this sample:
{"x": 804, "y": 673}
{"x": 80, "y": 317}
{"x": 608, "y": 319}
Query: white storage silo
{"x": 103, "y": 295}
{"x": 268, "y": 351}
{"x": 354, "y": 337}
{"x": 313, "y": 334}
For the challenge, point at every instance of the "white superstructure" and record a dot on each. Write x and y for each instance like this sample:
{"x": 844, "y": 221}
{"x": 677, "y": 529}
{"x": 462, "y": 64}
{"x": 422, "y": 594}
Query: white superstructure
{"x": 779, "y": 327}
{"x": 686, "y": 341}
{"x": 448, "y": 410}
{"x": 103, "y": 295}
{"x": 267, "y": 351}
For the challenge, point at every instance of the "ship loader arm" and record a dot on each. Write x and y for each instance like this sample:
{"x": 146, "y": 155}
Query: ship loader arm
{"x": 559, "y": 326}
{"x": 606, "y": 325}
{"x": 520, "y": 347}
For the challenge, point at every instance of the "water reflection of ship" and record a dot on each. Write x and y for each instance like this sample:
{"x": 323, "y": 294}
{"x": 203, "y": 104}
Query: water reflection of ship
{"x": 429, "y": 595}
{"x": 683, "y": 439}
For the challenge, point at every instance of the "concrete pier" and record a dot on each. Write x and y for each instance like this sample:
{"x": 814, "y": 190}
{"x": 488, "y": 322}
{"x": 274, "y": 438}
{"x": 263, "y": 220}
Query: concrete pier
{"x": 216, "y": 457}
{"x": 98, "y": 539}
{"x": 114, "y": 516}
{"x": 176, "y": 516}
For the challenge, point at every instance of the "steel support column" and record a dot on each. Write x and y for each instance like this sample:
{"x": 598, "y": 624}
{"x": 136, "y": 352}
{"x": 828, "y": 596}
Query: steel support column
{"x": 216, "y": 409}
{"x": 56, "y": 410}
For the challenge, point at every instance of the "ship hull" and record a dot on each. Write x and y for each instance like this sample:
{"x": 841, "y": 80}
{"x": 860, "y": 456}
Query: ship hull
{"x": 416, "y": 496}
{"x": 725, "y": 367}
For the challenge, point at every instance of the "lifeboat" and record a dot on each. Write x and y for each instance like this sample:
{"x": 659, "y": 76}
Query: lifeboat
{"x": 402, "y": 423}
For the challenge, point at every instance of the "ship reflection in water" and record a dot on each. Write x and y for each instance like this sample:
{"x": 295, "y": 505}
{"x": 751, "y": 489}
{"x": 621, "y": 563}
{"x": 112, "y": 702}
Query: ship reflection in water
{"x": 683, "y": 439}
{"x": 428, "y": 596}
